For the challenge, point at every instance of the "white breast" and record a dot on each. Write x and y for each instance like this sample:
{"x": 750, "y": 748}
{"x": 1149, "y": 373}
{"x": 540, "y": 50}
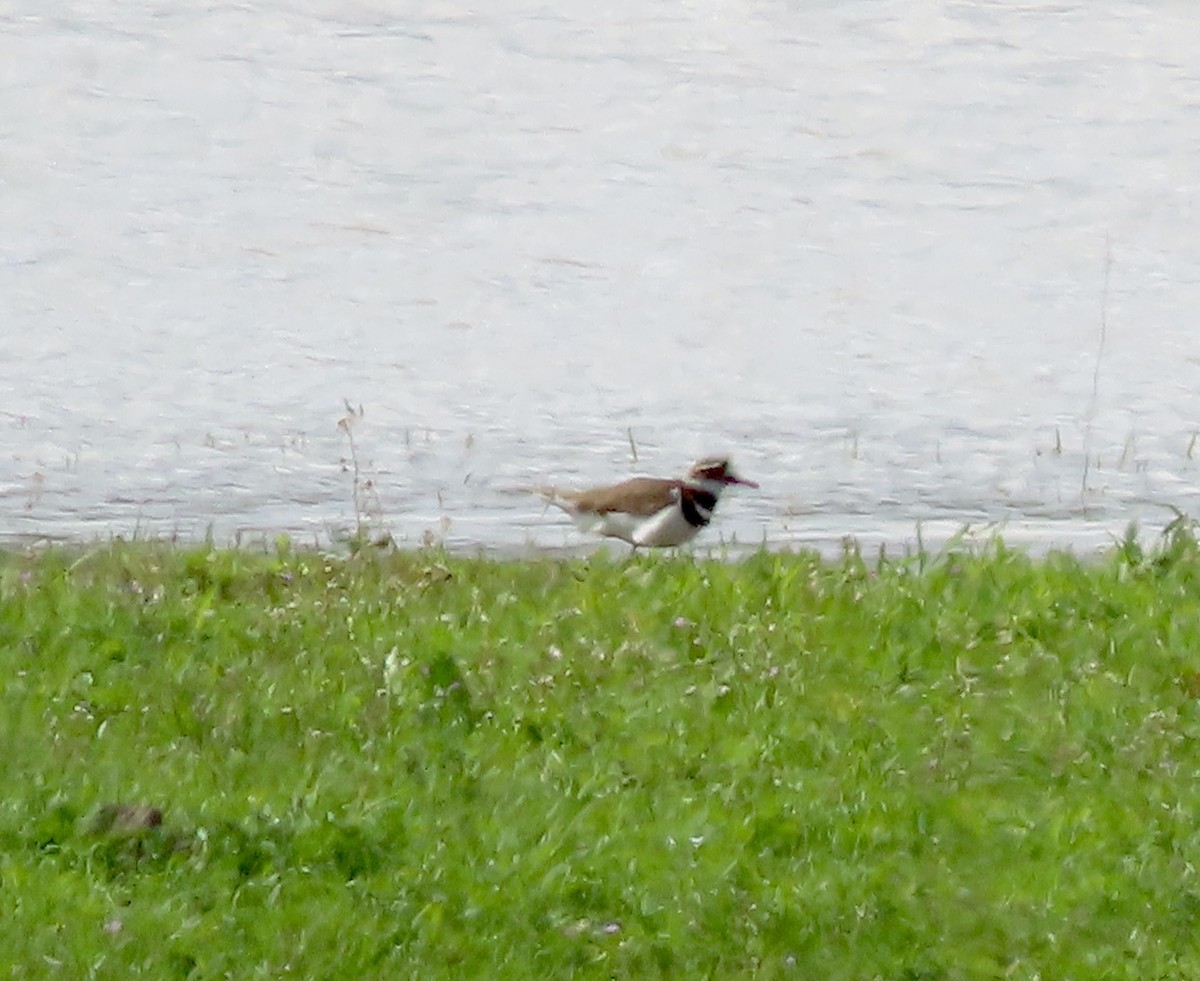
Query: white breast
{"x": 667, "y": 528}
{"x": 662, "y": 530}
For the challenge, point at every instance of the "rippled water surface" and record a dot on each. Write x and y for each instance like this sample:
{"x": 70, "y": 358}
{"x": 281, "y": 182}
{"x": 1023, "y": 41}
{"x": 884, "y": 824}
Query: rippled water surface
{"x": 913, "y": 263}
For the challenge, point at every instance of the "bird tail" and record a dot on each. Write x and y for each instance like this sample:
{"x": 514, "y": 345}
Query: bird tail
{"x": 552, "y": 495}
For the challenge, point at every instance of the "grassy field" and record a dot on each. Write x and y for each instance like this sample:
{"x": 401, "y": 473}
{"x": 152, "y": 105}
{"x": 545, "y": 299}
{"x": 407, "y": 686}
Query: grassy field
{"x": 405, "y": 765}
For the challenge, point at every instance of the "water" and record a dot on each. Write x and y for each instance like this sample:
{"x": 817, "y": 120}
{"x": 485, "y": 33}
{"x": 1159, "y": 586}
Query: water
{"x": 914, "y": 263}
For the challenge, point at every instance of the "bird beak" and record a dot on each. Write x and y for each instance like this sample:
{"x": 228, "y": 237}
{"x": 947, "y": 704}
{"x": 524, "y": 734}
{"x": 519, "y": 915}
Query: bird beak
{"x": 732, "y": 478}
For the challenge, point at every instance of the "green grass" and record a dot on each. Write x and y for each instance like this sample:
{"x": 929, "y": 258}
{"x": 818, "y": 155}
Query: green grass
{"x": 408, "y": 765}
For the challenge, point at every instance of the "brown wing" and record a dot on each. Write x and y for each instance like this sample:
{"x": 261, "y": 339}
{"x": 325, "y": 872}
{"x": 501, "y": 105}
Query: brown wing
{"x": 640, "y": 496}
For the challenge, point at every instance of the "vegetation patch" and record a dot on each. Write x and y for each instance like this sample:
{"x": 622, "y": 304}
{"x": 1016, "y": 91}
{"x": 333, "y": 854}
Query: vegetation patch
{"x": 974, "y": 764}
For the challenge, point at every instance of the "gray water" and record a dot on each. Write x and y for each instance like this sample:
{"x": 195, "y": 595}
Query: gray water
{"x": 915, "y": 264}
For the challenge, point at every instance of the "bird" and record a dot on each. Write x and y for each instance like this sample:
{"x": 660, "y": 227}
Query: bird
{"x": 655, "y": 512}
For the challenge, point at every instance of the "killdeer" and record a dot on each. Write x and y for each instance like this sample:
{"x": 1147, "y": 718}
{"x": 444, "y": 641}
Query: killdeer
{"x": 652, "y": 511}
